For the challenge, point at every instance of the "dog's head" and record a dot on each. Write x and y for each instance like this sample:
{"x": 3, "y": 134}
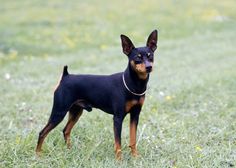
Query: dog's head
{"x": 141, "y": 58}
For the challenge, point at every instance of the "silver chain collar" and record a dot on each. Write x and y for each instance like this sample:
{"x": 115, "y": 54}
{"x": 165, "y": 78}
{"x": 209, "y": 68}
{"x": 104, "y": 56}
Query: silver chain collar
{"x": 136, "y": 94}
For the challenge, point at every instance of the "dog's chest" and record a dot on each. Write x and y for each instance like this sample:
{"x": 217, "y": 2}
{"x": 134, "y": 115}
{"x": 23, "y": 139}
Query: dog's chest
{"x": 133, "y": 102}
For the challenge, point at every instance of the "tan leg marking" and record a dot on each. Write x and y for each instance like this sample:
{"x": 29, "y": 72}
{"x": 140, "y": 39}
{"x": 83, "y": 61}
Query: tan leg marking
{"x": 133, "y": 131}
{"x": 117, "y": 151}
{"x": 42, "y": 136}
{"x": 73, "y": 118}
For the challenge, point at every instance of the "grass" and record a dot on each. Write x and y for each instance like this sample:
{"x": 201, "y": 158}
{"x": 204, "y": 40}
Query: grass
{"x": 188, "y": 119}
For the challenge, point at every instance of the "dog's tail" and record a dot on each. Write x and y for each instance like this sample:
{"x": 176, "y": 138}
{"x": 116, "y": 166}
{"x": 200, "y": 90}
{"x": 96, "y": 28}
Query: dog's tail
{"x": 65, "y": 71}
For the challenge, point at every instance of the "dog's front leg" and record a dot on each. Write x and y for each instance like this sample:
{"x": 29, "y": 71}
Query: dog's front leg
{"x": 134, "y": 118}
{"x": 117, "y": 133}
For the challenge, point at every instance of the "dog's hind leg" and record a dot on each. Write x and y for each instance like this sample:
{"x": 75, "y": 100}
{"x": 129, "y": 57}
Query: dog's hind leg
{"x": 74, "y": 115}
{"x": 59, "y": 111}
{"x": 54, "y": 120}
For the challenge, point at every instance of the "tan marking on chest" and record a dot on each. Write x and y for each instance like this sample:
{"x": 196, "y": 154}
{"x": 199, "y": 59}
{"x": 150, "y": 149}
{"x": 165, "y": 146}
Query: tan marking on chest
{"x": 141, "y": 100}
{"x": 131, "y": 103}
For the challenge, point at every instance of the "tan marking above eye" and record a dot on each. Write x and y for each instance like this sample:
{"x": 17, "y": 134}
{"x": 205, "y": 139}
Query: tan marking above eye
{"x": 148, "y": 54}
{"x": 139, "y": 55}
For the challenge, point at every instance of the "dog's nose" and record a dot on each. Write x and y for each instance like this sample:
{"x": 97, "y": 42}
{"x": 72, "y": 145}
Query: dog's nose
{"x": 149, "y": 68}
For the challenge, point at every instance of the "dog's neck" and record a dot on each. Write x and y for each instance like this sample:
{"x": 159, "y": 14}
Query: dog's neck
{"x": 134, "y": 83}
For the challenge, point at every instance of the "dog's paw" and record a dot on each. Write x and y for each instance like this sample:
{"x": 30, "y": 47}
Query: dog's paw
{"x": 135, "y": 153}
{"x": 118, "y": 154}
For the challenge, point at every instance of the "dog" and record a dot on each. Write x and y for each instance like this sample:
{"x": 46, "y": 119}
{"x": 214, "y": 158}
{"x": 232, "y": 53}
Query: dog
{"x": 117, "y": 94}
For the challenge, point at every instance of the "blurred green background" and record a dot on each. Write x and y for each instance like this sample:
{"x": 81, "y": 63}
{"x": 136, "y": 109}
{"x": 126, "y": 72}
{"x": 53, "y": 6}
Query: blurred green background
{"x": 188, "y": 119}
{"x": 56, "y": 27}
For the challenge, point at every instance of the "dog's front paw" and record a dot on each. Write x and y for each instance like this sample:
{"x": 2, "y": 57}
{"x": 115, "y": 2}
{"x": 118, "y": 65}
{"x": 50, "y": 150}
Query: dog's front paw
{"x": 118, "y": 154}
{"x": 134, "y": 151}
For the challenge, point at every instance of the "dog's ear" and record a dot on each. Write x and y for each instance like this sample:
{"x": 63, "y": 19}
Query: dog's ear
{"x": 127, "y": 44}
{"x": 152, "y": 40}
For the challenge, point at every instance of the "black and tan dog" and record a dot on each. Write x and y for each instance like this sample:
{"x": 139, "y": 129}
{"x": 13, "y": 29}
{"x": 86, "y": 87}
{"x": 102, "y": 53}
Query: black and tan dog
{"x": 117, "y": 94}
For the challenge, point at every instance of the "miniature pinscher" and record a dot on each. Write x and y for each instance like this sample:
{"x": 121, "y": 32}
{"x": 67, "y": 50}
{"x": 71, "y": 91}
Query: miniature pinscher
{"x": 117, "y": 94}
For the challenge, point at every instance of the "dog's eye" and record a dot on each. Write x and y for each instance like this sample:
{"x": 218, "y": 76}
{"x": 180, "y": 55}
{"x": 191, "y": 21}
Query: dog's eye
{"x": 139, "y": 55}
{"x": 148, "y": 54}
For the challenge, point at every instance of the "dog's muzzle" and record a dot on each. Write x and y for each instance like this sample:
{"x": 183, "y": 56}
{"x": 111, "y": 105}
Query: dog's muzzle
{"x": 148, "y": 66}
{"x": 149, "y": 69}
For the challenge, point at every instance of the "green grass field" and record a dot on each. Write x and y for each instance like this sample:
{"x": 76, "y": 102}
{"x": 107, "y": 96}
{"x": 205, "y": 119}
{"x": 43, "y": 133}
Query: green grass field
{"x": 189, "y": 116}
